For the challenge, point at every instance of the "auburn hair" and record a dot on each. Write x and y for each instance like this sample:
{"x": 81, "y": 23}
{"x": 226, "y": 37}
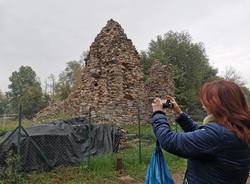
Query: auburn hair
{"x": 226, "y": 101}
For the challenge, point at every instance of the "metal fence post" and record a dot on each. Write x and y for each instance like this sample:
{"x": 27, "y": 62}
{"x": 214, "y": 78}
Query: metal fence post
{"x": 89, "y": 136}
{"x": 139, "y": 134}
{"x": 19, "y": 129}
{"x": 19, "y": 137}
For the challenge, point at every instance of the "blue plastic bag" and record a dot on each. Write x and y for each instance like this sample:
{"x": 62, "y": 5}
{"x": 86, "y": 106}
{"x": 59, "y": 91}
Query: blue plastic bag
{"x": 158, "y": 172}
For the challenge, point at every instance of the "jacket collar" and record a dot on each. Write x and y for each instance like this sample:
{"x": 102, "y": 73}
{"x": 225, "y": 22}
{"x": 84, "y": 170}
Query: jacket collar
{"x": 209, "y": 118}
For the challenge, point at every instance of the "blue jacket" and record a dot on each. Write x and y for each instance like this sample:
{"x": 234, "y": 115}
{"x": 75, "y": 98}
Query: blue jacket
{"x": 215, "y": 155}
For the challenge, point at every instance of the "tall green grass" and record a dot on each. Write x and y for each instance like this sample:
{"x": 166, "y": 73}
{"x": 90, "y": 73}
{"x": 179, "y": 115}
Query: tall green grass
{"x": 102, "y": 169}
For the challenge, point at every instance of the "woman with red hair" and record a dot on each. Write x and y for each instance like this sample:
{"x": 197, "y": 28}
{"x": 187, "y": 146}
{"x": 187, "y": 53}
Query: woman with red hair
{"x": 219, "y": 150}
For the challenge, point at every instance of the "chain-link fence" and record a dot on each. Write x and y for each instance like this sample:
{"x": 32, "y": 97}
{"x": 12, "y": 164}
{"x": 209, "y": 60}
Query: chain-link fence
{"x": 66, "y": 142}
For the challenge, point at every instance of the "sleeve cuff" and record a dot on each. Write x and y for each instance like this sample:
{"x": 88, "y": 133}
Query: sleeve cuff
{"x": 158, "y": 112}
{"x": 183, "y": 117}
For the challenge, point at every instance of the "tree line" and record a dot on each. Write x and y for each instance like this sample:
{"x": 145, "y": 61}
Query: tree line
{"x": 190, "y": 68}
{"x": 188, "y": 62}
{"x": 25, "y": 89}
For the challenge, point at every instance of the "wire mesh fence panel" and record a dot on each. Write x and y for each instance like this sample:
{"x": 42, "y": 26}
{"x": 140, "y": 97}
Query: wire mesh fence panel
{"x": 30, "y": 158}
{"x": 44, "y": 147}
{"x": 66, "y": 142}
{"x": 54, "y": 147}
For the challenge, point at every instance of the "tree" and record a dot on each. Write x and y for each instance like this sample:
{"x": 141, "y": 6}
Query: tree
{"x": 73, "y": 73}
{"x": 52, "y": 87}
{"x": 69, "y": 79}
{"x": 188, "y": 62}
{"x": 25, "y": 89}
{"x": 3, "y": 103}
{"x": 63, "y": 87}
{"x": 233, "y": 75}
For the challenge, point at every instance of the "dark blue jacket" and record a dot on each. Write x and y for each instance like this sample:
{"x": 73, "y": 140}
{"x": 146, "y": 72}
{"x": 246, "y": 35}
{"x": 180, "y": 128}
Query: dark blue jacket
{"x": 215, "y": 155}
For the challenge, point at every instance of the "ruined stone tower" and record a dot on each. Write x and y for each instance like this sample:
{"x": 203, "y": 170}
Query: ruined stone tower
{"x": 112, "y": 86}
{"x": 112, "y": 81}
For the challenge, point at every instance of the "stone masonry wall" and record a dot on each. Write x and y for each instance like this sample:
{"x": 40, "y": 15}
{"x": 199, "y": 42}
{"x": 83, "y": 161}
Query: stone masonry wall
{"x": 112, "y": 82}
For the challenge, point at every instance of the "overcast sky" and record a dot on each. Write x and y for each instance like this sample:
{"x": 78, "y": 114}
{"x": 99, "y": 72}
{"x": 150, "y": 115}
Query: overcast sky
{"x": 46, "y": 34}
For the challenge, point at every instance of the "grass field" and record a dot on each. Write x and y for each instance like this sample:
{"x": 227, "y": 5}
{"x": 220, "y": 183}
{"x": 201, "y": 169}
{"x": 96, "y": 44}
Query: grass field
{"x": 102, "y": 169}
{"x": 10, "y": 125}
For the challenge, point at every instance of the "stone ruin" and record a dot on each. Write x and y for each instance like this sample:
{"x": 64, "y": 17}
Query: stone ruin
{"x": 112, "y": 86}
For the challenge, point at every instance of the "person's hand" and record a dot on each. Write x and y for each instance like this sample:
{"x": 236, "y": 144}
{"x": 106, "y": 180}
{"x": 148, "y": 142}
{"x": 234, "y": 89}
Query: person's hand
{"x": 175, "y": 107}
{"x": 157, "y": 105}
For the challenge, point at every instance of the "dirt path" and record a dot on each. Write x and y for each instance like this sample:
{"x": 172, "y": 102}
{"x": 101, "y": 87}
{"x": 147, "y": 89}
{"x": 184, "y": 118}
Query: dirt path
{"x": 178, "y": 179}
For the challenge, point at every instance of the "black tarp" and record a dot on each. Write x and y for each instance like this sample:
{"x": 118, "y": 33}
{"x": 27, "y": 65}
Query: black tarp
{"x": 65, "y": 142}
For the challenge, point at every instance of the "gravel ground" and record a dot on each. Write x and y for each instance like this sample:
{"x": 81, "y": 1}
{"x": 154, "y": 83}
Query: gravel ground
{"x": 178, "y": 178}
